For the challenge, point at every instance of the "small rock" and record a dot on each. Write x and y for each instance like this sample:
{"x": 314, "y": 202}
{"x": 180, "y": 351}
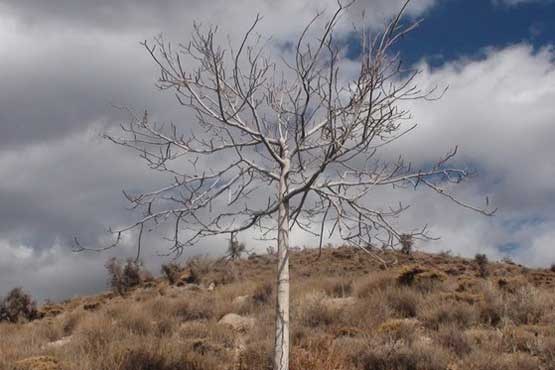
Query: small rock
{"x": 212, "y": 286}
{"x": 425, "y": 340}
{"x": 193, "y": 287}
{"x": 59, "y": 343}
{"x": 338, "y": 303}
{"x": 237, "y": 322}
{"x": 240, "y": 300}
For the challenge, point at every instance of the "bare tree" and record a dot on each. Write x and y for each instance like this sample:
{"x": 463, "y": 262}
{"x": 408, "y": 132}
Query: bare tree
{"x": 294, "y": 140}
{"x": 235, "y": 249}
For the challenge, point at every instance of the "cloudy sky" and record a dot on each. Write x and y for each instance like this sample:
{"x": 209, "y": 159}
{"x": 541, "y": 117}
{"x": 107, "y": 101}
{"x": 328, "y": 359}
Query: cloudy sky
{"x": 65, "y": 64}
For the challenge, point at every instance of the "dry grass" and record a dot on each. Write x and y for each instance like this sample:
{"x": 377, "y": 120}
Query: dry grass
{"x": 428, "y": 313}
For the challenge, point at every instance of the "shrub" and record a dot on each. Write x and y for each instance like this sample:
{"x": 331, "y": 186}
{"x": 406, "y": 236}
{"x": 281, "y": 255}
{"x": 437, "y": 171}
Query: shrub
{"x": 452, "y": 338}
{"x": 136, "y": 322}
{"x": 552, "y": 268}
{"x": 18, "y": 305}
{"x": 407, "y": 276}
{"x": 527, "y": 306}
{"x": 71, "y": 320}
{"x": 188, "y": 310}
{"x": 338, "y": 288}
{"x": 492, "y": 308}
{"x": 404, "y": 301}
{"x": 461, "y": 315}
{"x": 125, "y": 276}
{"x": 403, "y": 330}
{"x": 263, "y": 293}
{"x": 407, "y": 243}
{"x": 315, "y": 313}
{"x": 374, "y": 283}
{"x": 394, "y": 356}
{"x": 198, "y": 268}
{"x": 257, "y": 355}
{"x": 171, "y": 272}
{"x": 115, "y": 272}
{"x": 421, "y": 278}
{"x": 489, "y": 361}
{"x": 144, "y": 359}
{"x": 482, "y": 262}
{"x": 235, "y": 249}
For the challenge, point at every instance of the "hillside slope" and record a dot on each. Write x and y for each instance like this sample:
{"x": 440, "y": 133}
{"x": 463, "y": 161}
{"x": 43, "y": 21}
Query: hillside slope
{"x": 427, "y": 312}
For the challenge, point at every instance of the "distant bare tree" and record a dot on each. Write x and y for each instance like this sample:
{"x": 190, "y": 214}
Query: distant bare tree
{"x": 283, "y": 144}
{"x": 235, "y": 249}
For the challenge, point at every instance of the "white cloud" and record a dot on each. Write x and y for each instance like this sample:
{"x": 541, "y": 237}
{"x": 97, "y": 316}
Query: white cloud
{"x": 499, "y": 111}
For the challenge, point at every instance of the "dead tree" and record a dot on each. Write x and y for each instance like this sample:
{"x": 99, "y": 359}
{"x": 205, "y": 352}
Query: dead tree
{"x": 278, "y": 144}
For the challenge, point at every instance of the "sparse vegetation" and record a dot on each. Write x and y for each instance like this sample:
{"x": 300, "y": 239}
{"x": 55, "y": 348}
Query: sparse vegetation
{"x": 171, "y": 271}
{"x": 235, "y": 249}
{"x": 18, "y": 306}
{"x": 482, "y": 262}
{"x": 350, "y": 315}
{"x": 407, "y": 243}
{"x": 123, "y": 276}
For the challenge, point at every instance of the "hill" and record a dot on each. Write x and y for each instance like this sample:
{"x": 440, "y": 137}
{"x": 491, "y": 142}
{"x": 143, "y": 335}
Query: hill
{"x": 425, "y": 312}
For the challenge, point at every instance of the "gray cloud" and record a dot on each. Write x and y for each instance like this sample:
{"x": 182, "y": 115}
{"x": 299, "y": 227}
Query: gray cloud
{"x": 64, "y": 63}
{"x": 174, "y": 14}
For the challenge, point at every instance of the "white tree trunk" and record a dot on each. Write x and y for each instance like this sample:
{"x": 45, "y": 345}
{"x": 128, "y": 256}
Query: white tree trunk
{"x": 281, "y": 345}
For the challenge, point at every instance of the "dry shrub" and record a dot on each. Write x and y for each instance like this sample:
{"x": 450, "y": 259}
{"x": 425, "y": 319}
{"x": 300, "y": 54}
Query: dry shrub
{"x": 396, "y": 356}
{"x": 171, "y": 271}
{"x": 338, "y": 288}
{"x": 136, "y": 322}
{"x": 516, "y": 339}
{"x": 38, "y": 363}
{"x": 421, "y": 278}
{"x": 48, "y": 330}
{"x": 144, "y": 359}
{"x": 407, "y": 243}
{"x": 491, "y": 308}
{"x": 546, "y": 351}
{"x": 221, "y": 335}
{"x": 226, "y": 275}
{"x": 407, "y": 275}
{"x": 256, "y": 356}
{"x": 482, "y": 360}
{"x": 404, "y": 330}
{"x": 512, "y": 284}
{"x": 452, "y": 338}
{"x": 527, "y": 306}
{"x": 164, "y": 327}
{"x": 198, "y": 308}
{"x": 468, "y": 284}
{"x": 263, "y": 293}
{"x": 71, "y": 320}
{"x": 374, "y": 283}
{"x": 366, "y": 313}
{"x": 198, "y": 266}
{"x": 18, "y": 306}
{"x": 403, "y": 301}
{"x": 319, "y": 355}
{"x": 482, "y": 262}
{"x": 461, "y": 315}
{"x": 92, "y": 334}
{"x": 124, "y": 276}
{"x": 314, "y": 312}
